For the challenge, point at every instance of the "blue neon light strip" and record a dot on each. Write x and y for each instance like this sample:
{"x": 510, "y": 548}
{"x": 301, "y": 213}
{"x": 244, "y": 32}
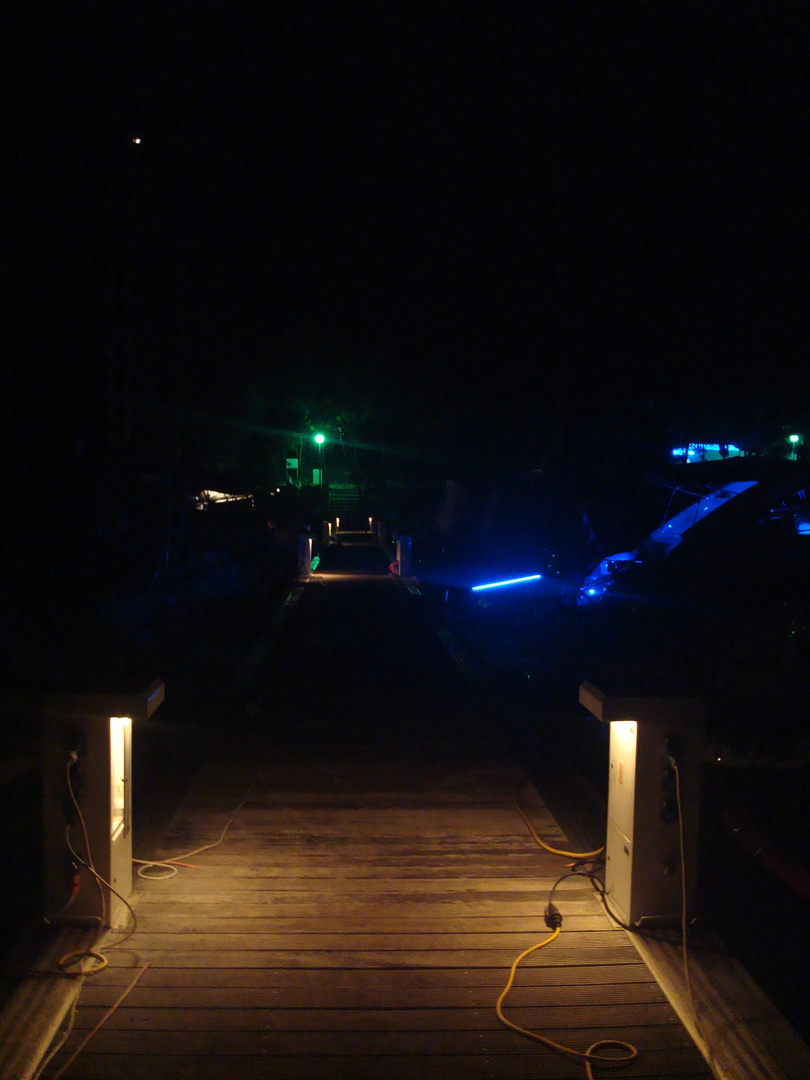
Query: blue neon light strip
{"x": 511, "y": 581}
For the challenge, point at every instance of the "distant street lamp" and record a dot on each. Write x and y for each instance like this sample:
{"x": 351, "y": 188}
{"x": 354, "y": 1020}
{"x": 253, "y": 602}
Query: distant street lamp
{"x": 320, "y": 439}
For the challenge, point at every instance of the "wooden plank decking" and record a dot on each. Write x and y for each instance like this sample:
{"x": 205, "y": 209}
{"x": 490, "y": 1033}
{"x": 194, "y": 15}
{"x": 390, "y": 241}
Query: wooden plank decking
{"x": 359, "y": 920}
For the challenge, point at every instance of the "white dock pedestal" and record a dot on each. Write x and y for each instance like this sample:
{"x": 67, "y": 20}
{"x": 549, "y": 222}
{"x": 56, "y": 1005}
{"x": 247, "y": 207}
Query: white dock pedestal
{"x": 87, "y": 762}
{"x": 646, "y": 864}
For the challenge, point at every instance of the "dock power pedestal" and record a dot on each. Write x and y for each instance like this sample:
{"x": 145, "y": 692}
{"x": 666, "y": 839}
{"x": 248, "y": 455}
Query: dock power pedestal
{"x": 645, "y": 867}
{"x": 87, "y": 762}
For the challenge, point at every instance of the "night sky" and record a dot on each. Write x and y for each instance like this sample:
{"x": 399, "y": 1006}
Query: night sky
{"x": 530, "y": 226}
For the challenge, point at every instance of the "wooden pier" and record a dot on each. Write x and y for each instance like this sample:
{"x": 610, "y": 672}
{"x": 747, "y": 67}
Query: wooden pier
{"x": 359, "y": 919}
{"x": 367, "y": 883}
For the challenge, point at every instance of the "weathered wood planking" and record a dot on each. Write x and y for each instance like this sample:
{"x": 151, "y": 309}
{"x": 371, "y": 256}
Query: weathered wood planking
{"x": 274, "y": 1016}
{"x": 342, "y": 982}
{"x": 368, "y": 935}
{"x": 477, "y": 1060}
{"x": 347, "y": 994}
{"x": 374, "y": 885}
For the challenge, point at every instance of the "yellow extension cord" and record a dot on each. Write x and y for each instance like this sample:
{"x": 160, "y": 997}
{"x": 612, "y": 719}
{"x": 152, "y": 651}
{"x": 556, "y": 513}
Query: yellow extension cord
{"x": 72, "y": 959}
{"x": 589, "y": 1056}
{"x": 171, "y": 865}
{"x": 580, "y": 856}
{"x": 594, "y": 1055}
{"x": 76, "y": 958}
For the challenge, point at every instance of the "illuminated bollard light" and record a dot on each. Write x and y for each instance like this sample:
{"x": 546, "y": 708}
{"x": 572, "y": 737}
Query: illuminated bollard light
{"x": 87, "y": 801}
{"x": 305, "y": 555}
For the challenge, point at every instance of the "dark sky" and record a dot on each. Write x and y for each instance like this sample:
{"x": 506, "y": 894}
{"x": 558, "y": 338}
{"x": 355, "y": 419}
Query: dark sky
{"x": 530, "y": 219}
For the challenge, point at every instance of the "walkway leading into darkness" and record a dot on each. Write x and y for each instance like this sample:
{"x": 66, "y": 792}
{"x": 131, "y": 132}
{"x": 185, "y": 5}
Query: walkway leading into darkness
{"x": 359, "y": 917}
{"x": 360, "y": 658}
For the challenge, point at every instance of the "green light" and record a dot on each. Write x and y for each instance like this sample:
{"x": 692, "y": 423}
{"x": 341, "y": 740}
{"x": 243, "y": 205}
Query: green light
{"x": 320, "y": 438}
{"x": 795, "y": 438}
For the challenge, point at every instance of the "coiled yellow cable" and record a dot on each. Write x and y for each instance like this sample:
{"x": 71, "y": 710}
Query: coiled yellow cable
{"x": 593, "y": 1054}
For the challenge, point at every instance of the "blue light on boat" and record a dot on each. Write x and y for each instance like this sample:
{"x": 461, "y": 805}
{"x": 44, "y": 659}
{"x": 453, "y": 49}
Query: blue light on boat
{"x": 700, "y": 450}
{"x": 510, "y": 581}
